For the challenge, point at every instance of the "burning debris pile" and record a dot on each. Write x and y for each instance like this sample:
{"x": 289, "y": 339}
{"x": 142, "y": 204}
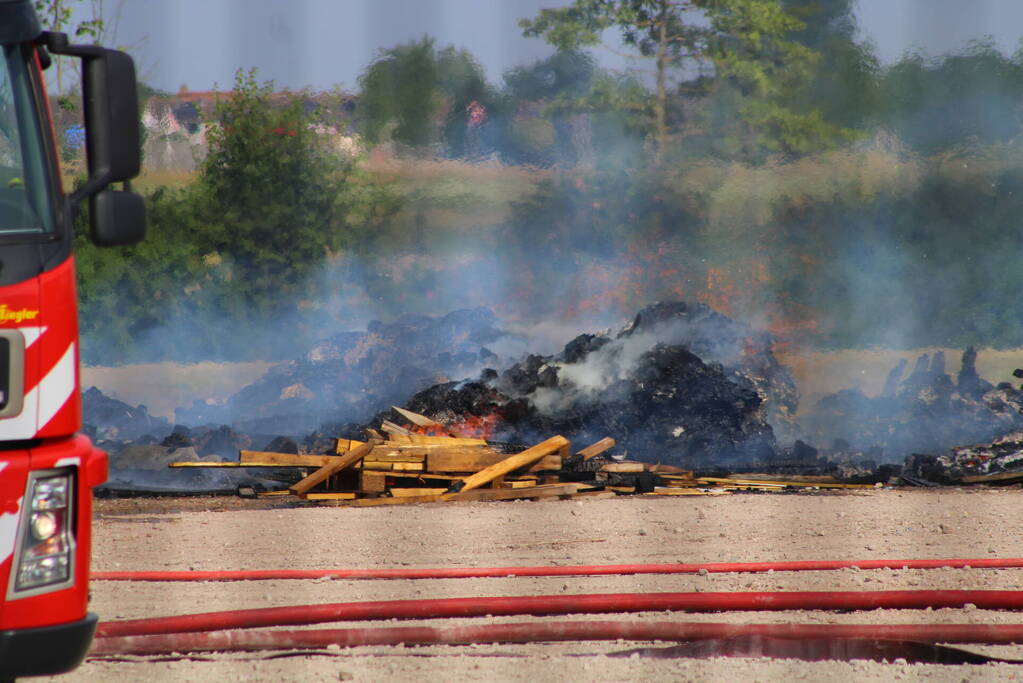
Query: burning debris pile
{"x": 352, "y": 375}
{"x": 680, "y": 389}
{"x": 923, "y": 412}
{"x": 681, "y": 385}
{"x": 107, "y": 419}
{"x": 408, "y": 466}
{"x": 141, "y": 446}
{"x": 999, "y": 462}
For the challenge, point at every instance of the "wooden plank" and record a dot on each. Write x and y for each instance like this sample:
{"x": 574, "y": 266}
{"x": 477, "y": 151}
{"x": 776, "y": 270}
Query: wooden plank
{"x": 474, "y": 461}
{"x": 516, "y": 483}
{"x": 803, "y": 478}
{"x": 285, "y": 459}
{"x": 662, "y": 491}
{"x": 372, "y": 482}
{"x": 347, "y": 460}
{"x": 391, "y": 428}
{"x": 425, "y": 449}
{"x": 777, "y": 484}
{"x": 514, "y": 494}
{"x": 670, "y": 470}
{"x": 604, "y": 444}
{"x": 272, "y": 494}
{"x": 425, "y": 440}
{"x": 624, "y": 467}
{"x": 377, "y": 502}
{"x": 392, "y": 455}
{"x": 342, "y": 446}
{"x": 328, "y": 495}
{"x": 422, "y": 476}
{"x": 391, "y": 466}
{"x": 509, "y": 464}
{"x": 680, "y": 484}
{"x": 1001, "y": 477}
{"x": 424, "y": 421}
{"x": 413, "y": 492}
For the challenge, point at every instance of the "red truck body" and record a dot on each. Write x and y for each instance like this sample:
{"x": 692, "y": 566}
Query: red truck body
{"x": 48, "y": 469}
{"x": 45, "y": 630}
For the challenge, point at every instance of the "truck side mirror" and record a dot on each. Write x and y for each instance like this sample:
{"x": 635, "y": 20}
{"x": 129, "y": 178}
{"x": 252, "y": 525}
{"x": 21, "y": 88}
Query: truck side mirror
{"x": 112, "y": 140}
{"x": 110, "y": 97}
{"x": 118, "y": 218}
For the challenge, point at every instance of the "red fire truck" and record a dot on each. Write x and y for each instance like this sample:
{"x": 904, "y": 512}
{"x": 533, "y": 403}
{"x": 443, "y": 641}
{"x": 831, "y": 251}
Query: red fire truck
{"x": 47, "y": 469}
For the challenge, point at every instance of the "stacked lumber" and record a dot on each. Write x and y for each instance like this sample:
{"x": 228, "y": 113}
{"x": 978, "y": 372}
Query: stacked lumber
{"x": 399, "y": 465}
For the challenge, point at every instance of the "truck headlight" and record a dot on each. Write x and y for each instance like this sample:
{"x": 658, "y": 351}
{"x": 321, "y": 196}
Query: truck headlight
{"x": 46, "y": 540}
{"x": 44, "y": 525}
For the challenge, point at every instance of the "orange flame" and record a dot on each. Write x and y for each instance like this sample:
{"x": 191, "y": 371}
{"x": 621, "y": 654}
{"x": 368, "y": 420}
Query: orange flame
{"x": 469, "y": 426}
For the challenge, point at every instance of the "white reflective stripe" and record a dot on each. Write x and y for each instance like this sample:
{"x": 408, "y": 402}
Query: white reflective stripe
{"x": 57, "y": 387}
{"x": 9, "y": 531}
{"x": 31, "y": 334}
{"x": 22, "y": 425}
{"x": 64, "y": 462}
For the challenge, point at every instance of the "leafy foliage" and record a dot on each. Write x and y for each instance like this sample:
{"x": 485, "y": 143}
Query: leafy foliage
{"x": 240, "y": 246}
{"x": 741, "y": 47}
{"x": 271, "y": 192}
{"x": 399, "y": 89}
{"x": 417, "y": 95}
{"x": 969, "y": 98}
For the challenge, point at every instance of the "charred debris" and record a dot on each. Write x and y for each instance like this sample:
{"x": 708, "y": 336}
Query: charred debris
{"x": 682, "y": 399}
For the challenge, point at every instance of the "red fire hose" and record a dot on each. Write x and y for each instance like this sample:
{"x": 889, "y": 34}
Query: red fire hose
{"x": 574, "y": 570}
{"x": 544, "y": 605}
{"x": 545, "y": 631}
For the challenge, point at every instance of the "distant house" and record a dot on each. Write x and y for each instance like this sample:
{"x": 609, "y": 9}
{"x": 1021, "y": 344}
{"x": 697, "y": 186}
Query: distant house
{"x": 181, "y": 119}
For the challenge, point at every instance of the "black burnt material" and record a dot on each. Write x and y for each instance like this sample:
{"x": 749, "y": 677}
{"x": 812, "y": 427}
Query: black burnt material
{"x": 110, "y": 419}
{"x": 680, "y": 385}
{"x": 924, "y": 412}
{"x": 351, "y": 375}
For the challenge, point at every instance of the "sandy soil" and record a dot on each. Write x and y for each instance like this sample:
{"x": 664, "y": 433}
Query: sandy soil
{"x": 226, "y": 533}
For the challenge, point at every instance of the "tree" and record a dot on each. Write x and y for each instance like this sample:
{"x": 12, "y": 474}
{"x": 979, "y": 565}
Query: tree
{"x": 420, "y": 94}
{"x": 465, "y": 94}
{"x": 558, "y": 85}
{"x": 399, "y": 88}
{"x": 738, "y": 44}
{"x": 274, "y": 195}
{"x": 237, "y": 248}
{"x": 844, "y": 82}
{"x": 58, "y": 15}
{"x": 969, "y": 98}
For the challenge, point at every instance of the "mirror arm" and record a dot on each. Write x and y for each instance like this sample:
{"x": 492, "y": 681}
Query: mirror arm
{"x": 57, "y": 44}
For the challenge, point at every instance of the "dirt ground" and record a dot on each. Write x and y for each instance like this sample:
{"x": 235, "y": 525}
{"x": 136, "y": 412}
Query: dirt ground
{"x": 229, "y": 533}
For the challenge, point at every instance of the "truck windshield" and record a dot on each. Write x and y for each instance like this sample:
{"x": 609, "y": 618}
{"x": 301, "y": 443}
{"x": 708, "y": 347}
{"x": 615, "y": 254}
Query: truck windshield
{"x": 26, "y": 187}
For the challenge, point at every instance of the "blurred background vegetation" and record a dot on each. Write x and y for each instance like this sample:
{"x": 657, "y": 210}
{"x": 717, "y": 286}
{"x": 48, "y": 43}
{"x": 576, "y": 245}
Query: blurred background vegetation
{"x": 759, "y": 159}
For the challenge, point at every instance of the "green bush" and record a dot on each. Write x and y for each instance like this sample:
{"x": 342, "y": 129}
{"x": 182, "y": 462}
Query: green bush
{"x": 236, "y": 249}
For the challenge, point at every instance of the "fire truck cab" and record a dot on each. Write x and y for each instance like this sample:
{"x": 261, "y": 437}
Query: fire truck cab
{"x": 47, "y": 469}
